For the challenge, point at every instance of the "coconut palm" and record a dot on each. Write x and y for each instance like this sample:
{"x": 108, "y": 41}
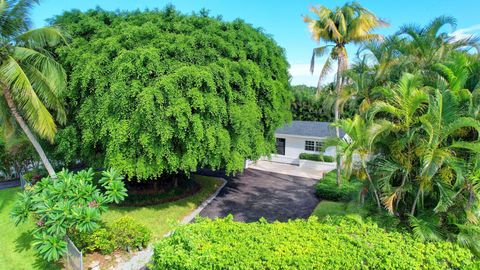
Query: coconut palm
{"x": 347, "y": 24}
{"x": 31, "y": 80}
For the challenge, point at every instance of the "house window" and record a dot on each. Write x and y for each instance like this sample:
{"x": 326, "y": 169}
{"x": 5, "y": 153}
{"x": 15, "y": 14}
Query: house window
{"x": 318, "y": 146}
{"x": 309, "y": 145}
{"x": 314, "y": 146}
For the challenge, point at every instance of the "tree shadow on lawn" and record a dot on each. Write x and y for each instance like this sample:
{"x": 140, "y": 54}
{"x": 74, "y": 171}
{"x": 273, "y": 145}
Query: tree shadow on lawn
{"x": 23, "y": 243}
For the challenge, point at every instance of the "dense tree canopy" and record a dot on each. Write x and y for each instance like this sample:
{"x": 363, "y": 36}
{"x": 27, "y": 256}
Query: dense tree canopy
{"x": 159, "y": 92}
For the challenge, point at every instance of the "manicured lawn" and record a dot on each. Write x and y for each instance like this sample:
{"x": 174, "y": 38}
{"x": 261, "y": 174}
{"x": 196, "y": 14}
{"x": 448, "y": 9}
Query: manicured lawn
{"x": 16, "y": 251}
{"x": 163, "y": 218}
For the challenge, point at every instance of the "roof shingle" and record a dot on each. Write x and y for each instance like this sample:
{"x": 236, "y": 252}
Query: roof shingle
{"x": 309, "y": 129}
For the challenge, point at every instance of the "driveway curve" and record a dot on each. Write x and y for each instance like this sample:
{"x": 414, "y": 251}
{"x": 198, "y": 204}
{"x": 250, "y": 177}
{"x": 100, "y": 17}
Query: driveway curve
{"x": 256, "y": 194}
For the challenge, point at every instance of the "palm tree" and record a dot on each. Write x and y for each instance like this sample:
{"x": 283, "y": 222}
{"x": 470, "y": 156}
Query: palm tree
{"x": 339, "y": 27}
{"x": 360, "y": 141}
{"x": 31, "y": 81}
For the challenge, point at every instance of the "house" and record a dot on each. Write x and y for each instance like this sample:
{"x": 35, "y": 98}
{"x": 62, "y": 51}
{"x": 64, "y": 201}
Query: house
{"x": 302, "y": 137}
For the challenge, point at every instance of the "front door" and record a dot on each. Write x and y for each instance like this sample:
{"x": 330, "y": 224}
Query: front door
{"x": 280, "y": 146}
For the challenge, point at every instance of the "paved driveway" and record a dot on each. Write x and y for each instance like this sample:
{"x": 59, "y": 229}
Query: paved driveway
{"x": 256, "y": 194}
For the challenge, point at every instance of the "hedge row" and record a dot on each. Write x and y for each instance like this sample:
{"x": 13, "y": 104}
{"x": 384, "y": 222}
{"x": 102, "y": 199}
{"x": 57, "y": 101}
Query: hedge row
{"x": 302, "y": 244}
{"x": 316, "y": 157}
{"x": 328, "y": 189}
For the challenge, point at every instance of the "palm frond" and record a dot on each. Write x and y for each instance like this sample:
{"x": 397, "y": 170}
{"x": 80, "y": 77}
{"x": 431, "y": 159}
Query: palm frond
{"x": 41, "y": 37}
{"x": 34, "y": 111}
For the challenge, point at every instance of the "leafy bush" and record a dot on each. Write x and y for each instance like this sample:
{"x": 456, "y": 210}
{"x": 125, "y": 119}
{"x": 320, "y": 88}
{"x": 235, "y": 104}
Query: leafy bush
{"x": 128, "y": 233}
{"x": 328, "y": 189}
{"x": 302, "y": 244}
{"x": 66, "y": 204}
{"x": 316, "y": 157}
{"x": 124, "y": 233}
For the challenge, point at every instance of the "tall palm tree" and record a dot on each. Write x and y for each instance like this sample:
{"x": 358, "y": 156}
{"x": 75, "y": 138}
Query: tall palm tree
{"x": 350, "y": 23}
{"x": 31, "y": 81}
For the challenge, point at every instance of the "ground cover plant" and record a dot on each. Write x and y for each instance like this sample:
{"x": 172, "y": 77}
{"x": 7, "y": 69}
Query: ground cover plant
{"x": 302, "y": 244}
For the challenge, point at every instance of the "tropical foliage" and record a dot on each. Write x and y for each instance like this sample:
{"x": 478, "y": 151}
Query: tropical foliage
{"x": 302, "y": 244}
{"x": 70, "y": 203}
{"x": 415, "y": 139}
{"x": 31, "y": 81}
{"x": 350, "y": 23}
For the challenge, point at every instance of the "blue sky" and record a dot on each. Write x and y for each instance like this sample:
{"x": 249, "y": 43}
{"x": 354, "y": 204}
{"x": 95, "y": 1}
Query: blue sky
{"x": 283, "y": 18}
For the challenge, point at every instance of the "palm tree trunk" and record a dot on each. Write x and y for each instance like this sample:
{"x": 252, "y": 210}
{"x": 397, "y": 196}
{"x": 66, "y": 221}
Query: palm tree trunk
{"x": 412, "y": 212}
{"x": 26, "y": 129}
{"x": 377, "y": 198}
{"x": 338, "y": 89}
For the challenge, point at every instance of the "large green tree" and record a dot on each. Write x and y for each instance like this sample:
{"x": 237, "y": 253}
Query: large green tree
{"x": 350, "y": 23}
{"x": 31, "y": 81}
{"x": 159, "y": 92}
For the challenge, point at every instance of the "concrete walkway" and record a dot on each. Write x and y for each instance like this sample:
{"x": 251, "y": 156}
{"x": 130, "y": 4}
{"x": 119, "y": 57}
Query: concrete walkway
{"x": 282, "y": 168}
{"x": 257, "y": 193}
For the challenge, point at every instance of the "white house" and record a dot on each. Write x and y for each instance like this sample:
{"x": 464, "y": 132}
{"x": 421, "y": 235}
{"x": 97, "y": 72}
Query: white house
{"x": 302, "y": 137}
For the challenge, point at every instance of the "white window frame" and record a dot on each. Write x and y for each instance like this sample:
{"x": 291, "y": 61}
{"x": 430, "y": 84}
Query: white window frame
{"x": 313, "y": 145}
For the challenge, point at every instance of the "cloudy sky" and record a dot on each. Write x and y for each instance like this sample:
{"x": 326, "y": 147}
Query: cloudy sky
{"x": 282, "y": 19}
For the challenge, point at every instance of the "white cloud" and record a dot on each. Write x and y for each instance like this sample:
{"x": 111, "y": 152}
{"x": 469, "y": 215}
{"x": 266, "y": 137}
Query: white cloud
{"x": 300, "y": 73}
{"x": 465, "y": 32}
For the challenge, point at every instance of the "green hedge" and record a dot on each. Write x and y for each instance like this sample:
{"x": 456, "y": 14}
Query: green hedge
{"x": 302, "y": 244}
{"x": 316, "y": 157}
{"x": 328, "y": 189}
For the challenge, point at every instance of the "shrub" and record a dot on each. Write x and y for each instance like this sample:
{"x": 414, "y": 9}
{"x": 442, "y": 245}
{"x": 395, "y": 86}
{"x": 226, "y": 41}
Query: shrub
{"x": 128, "y": 233}
{"x": 328, "y": 189}
{"x": 124, "y": 233}
{"x": 316, "y": 157}
{"x": 302, "y": 244}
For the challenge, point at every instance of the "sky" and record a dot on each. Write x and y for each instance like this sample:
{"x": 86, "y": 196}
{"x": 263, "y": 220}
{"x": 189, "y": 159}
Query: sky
{"x": 282, "y": 19}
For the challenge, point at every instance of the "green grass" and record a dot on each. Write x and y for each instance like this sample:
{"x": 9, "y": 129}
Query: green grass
{"x": 16, "y": 250}
{"x": 162, "y": 218}
{"x": 329, "y": 208}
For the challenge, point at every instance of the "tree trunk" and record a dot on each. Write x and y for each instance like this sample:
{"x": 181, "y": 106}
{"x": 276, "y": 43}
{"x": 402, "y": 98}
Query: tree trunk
{"x": 338, "y": 89}
{"x": 26, "y": 129}
{"x": 377, "y": 198}
{"x": 412, "y": 212}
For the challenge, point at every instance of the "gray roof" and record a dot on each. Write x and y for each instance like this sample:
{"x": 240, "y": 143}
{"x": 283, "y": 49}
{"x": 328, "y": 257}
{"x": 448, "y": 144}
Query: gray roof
{"x": 309, "y": 129}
